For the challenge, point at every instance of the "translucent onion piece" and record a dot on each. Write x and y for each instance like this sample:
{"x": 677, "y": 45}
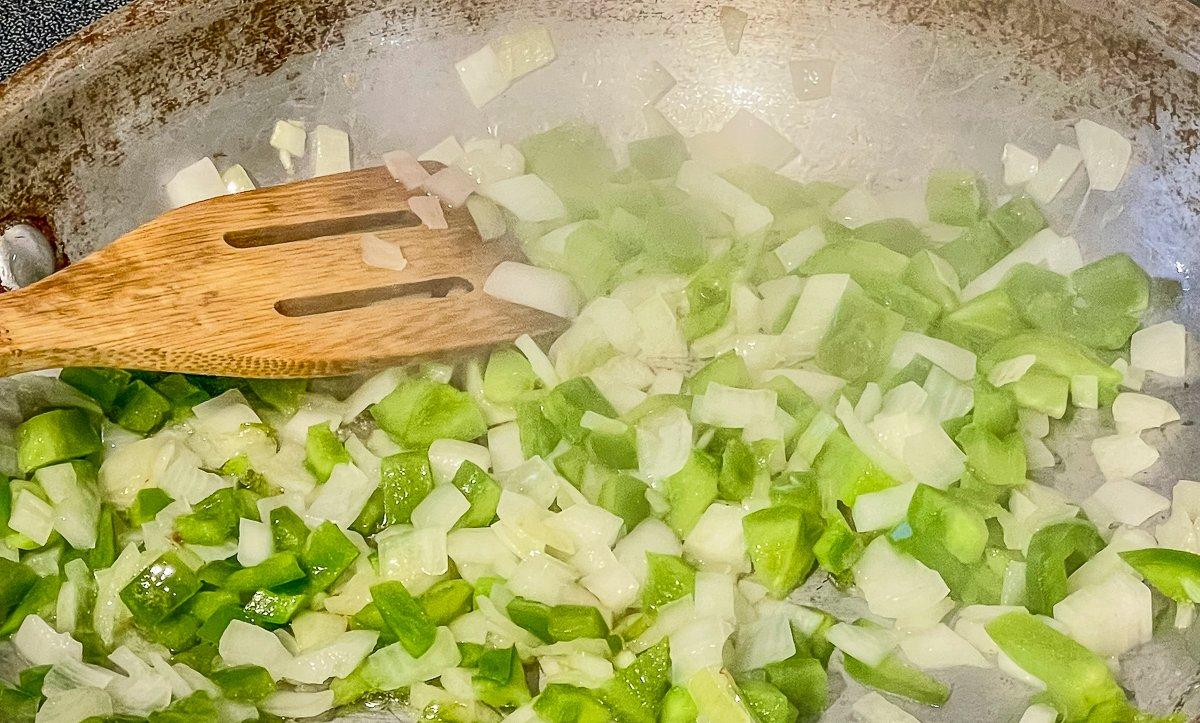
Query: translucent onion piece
{"x": 429, "y": 210}
{"x": 1161, "y": 348}
{"x": 1054, "y": 173}
{"x": 381, "y": 254}
{"x": 733, "y": 24}
{"x": 198, "y": 182}
{"x": 1020, "y": 166}
{"x": 1105, "y": 153}
{"x": 483, "y": 75}
{"x": 812, "y": 78}
{"x": 543, "y": 289}
{"x": 331, "y": 151}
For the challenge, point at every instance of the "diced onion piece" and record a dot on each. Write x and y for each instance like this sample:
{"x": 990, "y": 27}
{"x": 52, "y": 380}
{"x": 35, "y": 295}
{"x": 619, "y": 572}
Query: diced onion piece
{"x": 1161, "y": 348}
{"x": 381, "y": 254}
{"x": 429, "y": 210}
{"x": 697, "y": 646}
{"x": 447, "y": 152}
{"x": 763, "y": 641}
{"x": 874, "y": 708}
{"x": 1011, "y": 370}
{"x": 940, "y": 647}
{"x": 76, "y": 704}
{"x": 857, "y": 207}
{"x": 882, "y": 510}
{"x": 653, "y": 82}
{"x": 959, "y": 362}
{"x": 1039, "y": 713}
{"x": 236, "y": 179}
{"x": 753, "y": 140}
{"x": 289, "y": 137}
{"x": 823, "y": 388}
{"x": 488, "y": 218}
{"x": 483, "y": 75}
{"x": 447, "y": 455}
{"x": 255, "y": 542}
{"x": 656, "y": 123}
{"x": 198, "y": 182}
{"x": 1131, "y": 377}
{"x": 1039, "y": 251}
{"x": 406, "y": 169}
{"x": 1037, "y": 454}
{"x": 32, "y": 517}
{"x": 733, "y": 24}
{"x": 814, "y": 312}
{"x": 1108, "y": 618}
{"x": 452, "y": 185}
{"x": 1105, "y": 153}
{"x": 1124, "y": 501}
{"x": 524, "y": 51}
{"x": 336, "y": 658}
{"x": 1134, "y": 412}
{"x": 812, "y": 78}
{"x": 542, "y": 289}
{"x": 716, "y": 543}
{"x": 41, "y": 644}
{"x": 1020, "y": 166}
{"x": 504, "y": 442}
{"x": 733, "y": 408}
{"x": 331, "y": 151}
{"x": 867, "y": 644}
{"x": 748, "y": 215}
{"x": 538, "y": 360}
{"x": 664, "y": 443}
{"x": 1085, "y": 391}
{"x": 868, "y": 442}
{"x": 799, "y": 248}
{"x": 296, "y": 704}
{"x": 1185, "y": 615}
{"x": 1121, "y": 456}
{"x": 527, "y": 197}
{"x": 440, "y": 509}
{"x": 314, "y": 629}
{"x": 651, "y": 535}
{"x": 1054, "y": 173}
{"x": 342, "y": 497}
{"x": 245, "y": 644}
{"x": 897, "y": 585}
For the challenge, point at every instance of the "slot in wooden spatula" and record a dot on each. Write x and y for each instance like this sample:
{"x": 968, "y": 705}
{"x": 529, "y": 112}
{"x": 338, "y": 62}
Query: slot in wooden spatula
{"x": 270, "y": 283}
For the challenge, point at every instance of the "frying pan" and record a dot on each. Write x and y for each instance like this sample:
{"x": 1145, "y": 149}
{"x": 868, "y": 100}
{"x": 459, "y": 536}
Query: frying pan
{"x": 91, "y": 131}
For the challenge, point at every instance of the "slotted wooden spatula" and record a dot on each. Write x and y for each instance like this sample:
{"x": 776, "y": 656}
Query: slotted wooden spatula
{"x": 270, "y": 283}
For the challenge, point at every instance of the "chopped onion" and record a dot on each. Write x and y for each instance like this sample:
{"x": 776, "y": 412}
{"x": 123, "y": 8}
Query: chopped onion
{"x": 664, "y": 443}
{"x": 1020, "y": 166}
{"x": 753, "y": 140}
{"x": 448, "y": 151}
{"x": 1124, "y": 501}
{"x": 289, "y": 137}
{"x": 1039, "y": 250}
{"x": 733, "y": 24}
{"x": 297, "y": 704}
{"x": 381, "y": 254}
{"x": 489, "y": 220}
{"x": 874, "y": 708}
{"x": 1054, "y": 173}
{"x": 342, "y": 497}
{"x": 894, "y": 584}
{"x": 733, "y": 408}
{"x": 78, "y": 704}
{"x": 716, "y": 542}
{"x": 959, "y": 362}
{"x": 799, "y": 248}
{"x": 1134, "y": 412}
{"x": 697, "y": 645}
{"x": 1037, "y": 454}
{"x": 823, "y": 388}
{"x": 763, "y": 641}
{"x": 868, "y": 443}
{"x": 524, "y": 51}
{"x": 331, "y": 151}
{"x": 1085, "y": 391}
{"x": 1161, "y": 348}
{"x": 716, "y": 596}
{"x": 41, "y": 644}
{"x": 335, "y": 659}
{"x": 1121, "y": 456}
{"x": 313, "y": 629}
{"x": 813, "y": 314}
{"x": 1034, "y": 424}
{"x": 538, "y": 360}
{"x": 447, "y": 455}
{"x": 857, "y": 207}
{"x": 451, "y": 185}
{"x": 406, "y": 169}
{"x": 651, "y": 535}
{"x": 243, "y": 643}
{"x": 32, "y": 517}
{"x": 504, "y": 442}
{"x": 1105, "y": 153}
{"x": 483, "y": 75}
{"x": 653, "y": 81}
{"x": 236, "y": 179}
{"x": 254, "y": 543}
{"x": 1039, "y": 713}
{"x": 1108, "y": 618}
{"x": 812, "y": 78}
{"x": 527, "y": 197}
{"x": 1131, "y": 377}
{"x": 882, "y": 510}
{"x": 1011, "y": 370}
{"x": 869, "y": 645}
{"x": 440, "y": 509}
{"x": 748, "y": 215}
{"x": 429, "y": 210}
{"x": 940, "y": 647}
{"x": 538, "y": 288}
{"x": 198, "y": 182}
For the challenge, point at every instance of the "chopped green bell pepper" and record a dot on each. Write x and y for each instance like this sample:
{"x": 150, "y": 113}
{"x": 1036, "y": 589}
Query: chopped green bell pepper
{"x": 635, "y": 692}
{"x": 420, "y": 411}
{"x": 55, "y": 436}
{"x": 160, "y": 589}
{"x": 326, "y": 555}
{"x": 323, "y": 451}
{"x": 668, "y": 578}
{"x": 246, "y": 683}
{"x": 276, "y": 570}
{"x": 1174, "y": 573}
{"x": 406, "y": 480}
{"x": 405, "y": 616}
{"x": 481, "y": 491}
{"x": 1056, "y": 551}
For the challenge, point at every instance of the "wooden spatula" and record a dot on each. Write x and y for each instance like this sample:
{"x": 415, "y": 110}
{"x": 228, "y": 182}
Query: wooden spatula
{"x": 270, "y": 283}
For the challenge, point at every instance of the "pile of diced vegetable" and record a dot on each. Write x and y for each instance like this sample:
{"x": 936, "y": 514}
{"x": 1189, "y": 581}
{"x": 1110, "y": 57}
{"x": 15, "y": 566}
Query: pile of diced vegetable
{"x": 765, "y": 384}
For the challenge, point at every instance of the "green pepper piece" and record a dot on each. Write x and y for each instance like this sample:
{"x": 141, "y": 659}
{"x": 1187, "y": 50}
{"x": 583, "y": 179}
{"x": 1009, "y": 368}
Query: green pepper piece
{"x": 805, "y": 683}
{"x": 859, "y": 341}
{"x": 323, "y": 451}
{"x": 213, "y": 520}
{"x": 615, "y": 451}
{"x": 508, "y": 377}
{"x": 570, "y": 622}
{"x": 199, "y": 657}
{"x": 181, "y": 393}
{"x": 148, "y": 503}
{"x": 994, "y": 459}
{"x": 287, "y": 529}
{"x": 198, "y": 706}
{"x": 953, "y": 197}
{"x": 572, "y": 464}
{"x": 635, "y": 692}
{"x": 1056, "y": 551}
{"x": 668, "y": 578}
{"x": 420, "y": 411}
{"x": 738, "y": 470}
{"x": 690, "y": 491}
{"x": 20, "y": 706}
{"x": 327, "y": 554}
{"x": 246, "y": 683}
{"x": 406, "y": 480}
{"x": 217, "y": 572}
{"x": 215, "y": 623}
{"x": 39, "y": 600}
{"x": 510, "y": 692}
{"x": 1076, "y": 679}
{"x": 974, "y": 251}
{"x": 55, "y": 436}
{"x": 282, "y": 395}
{"x": 658, "y": 157}
{"x": 405, "y": 616}
{"x": 141, "y": 409}
{"x": 1018, "y": 220}
{"x": 625, "y": 497}
{"x": 103, "y": 385}
{"x": 160, "y": 589}
{"x": 273, "y": 607}
{"x": 370, "y": 519}
{"x": 481, "y": 491}
{"x": 839, "y": 547}
{"x": 893, "y": 676}
{"x": 565, "y": 405}
{"x": 177, "y": 632}
{"x": 15, "y": 581}
{"x": 530, "y": 615}
{"x": 727, "y": 369}
{"x": 538, "y": 434}
{"x": 248, "y": 477}
{"x": 280, "y": 568}
{"x": 562, "y": 703}
{"x": 779, "y": 542}
{"x": 981, "y": 322}
{"x": 447, "y": 600}
{"x": 1174, "y": 573}
{"x": 678, "y": 706}
{"x": 767, "y": 702}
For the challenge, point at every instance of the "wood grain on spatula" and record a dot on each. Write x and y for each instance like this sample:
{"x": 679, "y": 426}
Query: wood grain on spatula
{"x": 270, "y": 283}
